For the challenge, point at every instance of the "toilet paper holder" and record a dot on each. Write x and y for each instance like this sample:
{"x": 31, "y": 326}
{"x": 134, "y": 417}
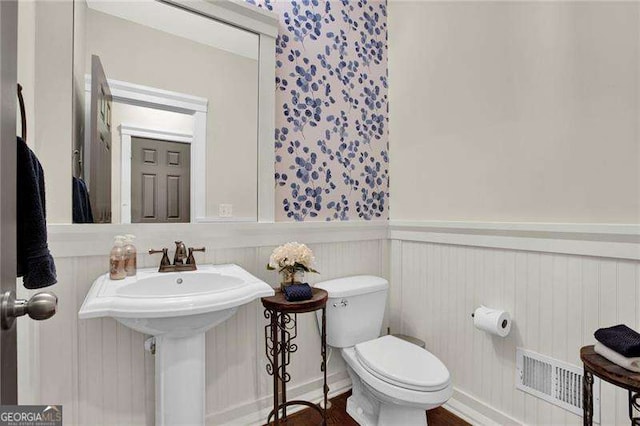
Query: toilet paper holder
{"x": 504, "y": 322}
{"x": 493, "y": 321}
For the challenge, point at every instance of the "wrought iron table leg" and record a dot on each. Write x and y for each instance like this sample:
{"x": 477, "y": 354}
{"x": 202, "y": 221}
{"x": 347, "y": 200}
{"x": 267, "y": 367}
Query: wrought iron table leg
{"x": 587, "y": 398}
{"x": 283, "y": 362}
{"x": 325, "y": 388}
{"x": 280, "y": 333}
{"x": 274, "y": 337}
{"x": 634, "y": 404}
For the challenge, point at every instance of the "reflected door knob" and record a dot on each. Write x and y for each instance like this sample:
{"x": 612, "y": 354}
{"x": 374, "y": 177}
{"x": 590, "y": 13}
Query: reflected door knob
{"x": 40, "y": 307}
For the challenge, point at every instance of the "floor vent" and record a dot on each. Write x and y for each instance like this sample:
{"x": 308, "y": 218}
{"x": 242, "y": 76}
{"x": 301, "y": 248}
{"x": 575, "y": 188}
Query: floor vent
{"x": 554, "y": 381}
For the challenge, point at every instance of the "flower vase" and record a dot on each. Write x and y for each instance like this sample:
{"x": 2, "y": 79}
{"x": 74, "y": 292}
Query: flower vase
{"x": 291, "y": 276}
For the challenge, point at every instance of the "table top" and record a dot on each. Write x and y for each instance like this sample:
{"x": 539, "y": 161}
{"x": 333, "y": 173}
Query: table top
{"x": 280, "y": 304}
{"x": 608, "y": 371}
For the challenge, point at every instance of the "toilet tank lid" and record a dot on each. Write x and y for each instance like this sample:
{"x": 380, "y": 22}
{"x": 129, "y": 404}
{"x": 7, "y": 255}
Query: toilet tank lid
{"x": 352, "y": 286}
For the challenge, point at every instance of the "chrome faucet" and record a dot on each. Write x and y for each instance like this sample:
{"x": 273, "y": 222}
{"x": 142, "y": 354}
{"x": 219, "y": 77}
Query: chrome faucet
{"x": 178, "y": 259}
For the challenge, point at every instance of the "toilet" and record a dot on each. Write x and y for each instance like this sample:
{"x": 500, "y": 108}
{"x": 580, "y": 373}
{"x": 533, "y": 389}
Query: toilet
{"x": 393, "y": 381}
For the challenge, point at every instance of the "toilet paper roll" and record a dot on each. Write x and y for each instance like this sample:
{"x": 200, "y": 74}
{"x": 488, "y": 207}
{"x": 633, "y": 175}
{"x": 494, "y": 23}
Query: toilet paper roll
{"x": 492, "y": 321}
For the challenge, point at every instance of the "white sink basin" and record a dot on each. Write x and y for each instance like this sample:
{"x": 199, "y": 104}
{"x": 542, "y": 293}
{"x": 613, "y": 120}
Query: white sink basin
{"x": 185, "y": 284}
{"x": 176, "y": 303}
{"x": 177, "y": 308}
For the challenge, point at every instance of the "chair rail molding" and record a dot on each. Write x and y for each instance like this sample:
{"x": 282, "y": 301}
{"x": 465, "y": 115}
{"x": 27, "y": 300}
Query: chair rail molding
{"x": 603, "y": 240}
{"x": 81, "y": 240}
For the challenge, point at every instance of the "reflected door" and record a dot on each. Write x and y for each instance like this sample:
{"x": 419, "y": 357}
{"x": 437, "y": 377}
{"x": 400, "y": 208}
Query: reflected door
{"x": 100, "y": 147}
{"x": 160, "y": 181}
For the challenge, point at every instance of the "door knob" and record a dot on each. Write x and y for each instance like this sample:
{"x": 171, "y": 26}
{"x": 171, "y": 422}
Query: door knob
{"x": 40, "y": 307}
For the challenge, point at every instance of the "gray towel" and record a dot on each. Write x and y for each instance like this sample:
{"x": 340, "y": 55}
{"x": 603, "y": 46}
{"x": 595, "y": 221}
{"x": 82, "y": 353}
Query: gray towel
{"x": 35, "y": 263}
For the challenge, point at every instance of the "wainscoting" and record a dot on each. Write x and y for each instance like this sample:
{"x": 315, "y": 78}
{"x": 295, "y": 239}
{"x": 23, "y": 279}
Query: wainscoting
{"x": 557, "y": 300}
{"x": 560, "y": 282}
{"x": 99, "y": 370}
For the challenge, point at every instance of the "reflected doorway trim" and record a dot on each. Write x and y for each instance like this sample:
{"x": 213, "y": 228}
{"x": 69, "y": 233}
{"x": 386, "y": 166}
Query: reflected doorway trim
{"x": 151, "y": 97}
{"x": 127, "y": 131}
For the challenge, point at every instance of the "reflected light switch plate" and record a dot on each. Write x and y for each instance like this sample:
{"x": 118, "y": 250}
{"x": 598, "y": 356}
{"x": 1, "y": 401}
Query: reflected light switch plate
{"x": 225, "y": 210}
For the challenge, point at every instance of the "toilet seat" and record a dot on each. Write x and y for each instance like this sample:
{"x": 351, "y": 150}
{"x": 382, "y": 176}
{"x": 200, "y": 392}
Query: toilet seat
{"x": 403, "y": 364}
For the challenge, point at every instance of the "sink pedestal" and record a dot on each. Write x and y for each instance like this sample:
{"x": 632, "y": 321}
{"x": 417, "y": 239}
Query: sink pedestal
{"x": 180, "y": 380}
{"x": 177, "y": 308}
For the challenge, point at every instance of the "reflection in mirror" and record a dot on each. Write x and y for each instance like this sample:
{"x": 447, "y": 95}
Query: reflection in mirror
{"x": 170, "y": 102}
{"x": 158, "y": 164}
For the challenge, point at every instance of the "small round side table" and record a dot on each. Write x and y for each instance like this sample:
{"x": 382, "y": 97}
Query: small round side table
{"x": 279, "y": 335}
{"x": 597, "y": 365}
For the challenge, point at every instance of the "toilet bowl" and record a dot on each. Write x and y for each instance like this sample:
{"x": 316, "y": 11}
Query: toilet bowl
{"x": 393, "y": 381}
{"x": 384, "y": 372}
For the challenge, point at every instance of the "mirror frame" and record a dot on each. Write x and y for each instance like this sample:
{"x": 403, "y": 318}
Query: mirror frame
{"x": 264, "y": 24}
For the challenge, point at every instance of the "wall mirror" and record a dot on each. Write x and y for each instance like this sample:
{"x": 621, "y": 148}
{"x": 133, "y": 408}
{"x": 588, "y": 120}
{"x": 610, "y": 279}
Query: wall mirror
{"x": 167, "y": 115}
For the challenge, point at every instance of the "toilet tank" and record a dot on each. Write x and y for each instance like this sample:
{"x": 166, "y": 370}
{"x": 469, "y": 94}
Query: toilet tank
{"x": 355, "y": 309}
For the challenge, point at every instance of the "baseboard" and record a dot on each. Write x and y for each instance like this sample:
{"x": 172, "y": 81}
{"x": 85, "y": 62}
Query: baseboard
{"x": 255, "y": 413}
{"x": 476, "y": 412}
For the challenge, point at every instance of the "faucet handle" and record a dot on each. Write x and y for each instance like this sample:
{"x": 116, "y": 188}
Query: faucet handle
{"x": 190, "y": 259}
{"x": 162, "y": 250}
{"x": 165, "y": 257}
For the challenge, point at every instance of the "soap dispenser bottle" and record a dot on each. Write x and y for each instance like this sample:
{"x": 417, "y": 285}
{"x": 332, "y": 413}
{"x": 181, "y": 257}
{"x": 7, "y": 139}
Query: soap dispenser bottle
{"x": 130, "y": 255}
{"x": 116, "y": 259}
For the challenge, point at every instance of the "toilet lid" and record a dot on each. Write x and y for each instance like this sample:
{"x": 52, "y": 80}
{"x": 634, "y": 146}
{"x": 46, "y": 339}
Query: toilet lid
{"x": 403, "y": 364}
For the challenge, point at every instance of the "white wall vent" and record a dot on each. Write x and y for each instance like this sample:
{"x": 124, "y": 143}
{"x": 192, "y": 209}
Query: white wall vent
{"x": 554, "y": 381}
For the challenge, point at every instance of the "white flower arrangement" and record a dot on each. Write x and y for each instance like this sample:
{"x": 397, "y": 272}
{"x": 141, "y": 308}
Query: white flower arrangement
{"x": 292, "y": 257}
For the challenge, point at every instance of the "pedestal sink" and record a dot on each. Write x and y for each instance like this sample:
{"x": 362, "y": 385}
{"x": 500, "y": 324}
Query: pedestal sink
{"x": 176, "y": 308}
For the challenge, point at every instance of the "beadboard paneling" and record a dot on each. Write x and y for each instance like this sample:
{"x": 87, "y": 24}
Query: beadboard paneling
{"x": 98, "y": 369}
{"x": 556, "y": 300}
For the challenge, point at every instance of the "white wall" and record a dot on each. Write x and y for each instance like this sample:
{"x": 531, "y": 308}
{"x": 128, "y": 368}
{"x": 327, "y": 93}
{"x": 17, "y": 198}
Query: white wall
{"x": 98, "y": 369}
{"x": 45, "y": 65}
{"x": 515, "y": 111}
{"x": 78, "y": 122}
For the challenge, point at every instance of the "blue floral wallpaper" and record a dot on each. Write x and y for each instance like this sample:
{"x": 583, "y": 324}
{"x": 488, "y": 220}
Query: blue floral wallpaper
{"x": 331, "y": 136}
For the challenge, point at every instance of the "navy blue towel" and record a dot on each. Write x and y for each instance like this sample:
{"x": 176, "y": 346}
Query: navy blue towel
{"x": 81, "y": 204}
{"x": 297, "y": 292}
{"x": 621, "y": 339}
{"x": 35, "y": 263}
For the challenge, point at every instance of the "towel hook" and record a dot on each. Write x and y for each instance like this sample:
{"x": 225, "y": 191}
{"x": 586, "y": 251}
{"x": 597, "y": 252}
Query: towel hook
{"x": 23, "y": 113}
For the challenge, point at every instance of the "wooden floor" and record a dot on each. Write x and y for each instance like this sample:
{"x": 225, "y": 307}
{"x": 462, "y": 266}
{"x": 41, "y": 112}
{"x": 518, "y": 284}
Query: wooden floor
{"x": 338, "y": 416}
